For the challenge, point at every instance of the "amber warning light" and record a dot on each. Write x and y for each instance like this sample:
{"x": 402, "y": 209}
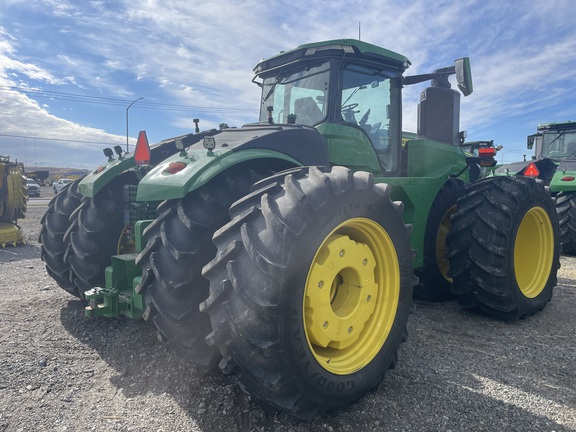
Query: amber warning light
{"x": 142, "y": 152}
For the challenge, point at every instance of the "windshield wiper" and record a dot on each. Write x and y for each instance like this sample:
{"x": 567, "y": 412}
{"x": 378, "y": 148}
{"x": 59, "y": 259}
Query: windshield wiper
{"x": 362, "y": 87}
{"x": 272, "y": 88}
{"x": 561, "y": 134}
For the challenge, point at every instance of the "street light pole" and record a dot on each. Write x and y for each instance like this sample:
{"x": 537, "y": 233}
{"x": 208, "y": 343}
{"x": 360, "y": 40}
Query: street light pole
{"x": 133, "y": 102}
{"x": 503, "y": 153}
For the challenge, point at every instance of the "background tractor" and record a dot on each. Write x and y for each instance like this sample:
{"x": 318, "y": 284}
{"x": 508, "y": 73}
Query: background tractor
{"x": 554, "y": 162}
{"x": 286, "y": 251}
{"x": 13, "y": 201}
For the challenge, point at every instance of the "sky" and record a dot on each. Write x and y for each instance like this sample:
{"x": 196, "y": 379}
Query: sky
{"x": 69, "y": 70}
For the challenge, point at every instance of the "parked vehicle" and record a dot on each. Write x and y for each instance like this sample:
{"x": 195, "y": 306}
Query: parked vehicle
{"x": 33, "y": 188}
{"x": 60, "y": 184}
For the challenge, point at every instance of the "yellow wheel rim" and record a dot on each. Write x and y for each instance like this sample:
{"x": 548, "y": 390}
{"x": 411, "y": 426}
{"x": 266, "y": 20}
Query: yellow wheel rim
{"x": 533, "y": 252}
{"x": 351, "y": 296}
{"x": 443, "y": 230}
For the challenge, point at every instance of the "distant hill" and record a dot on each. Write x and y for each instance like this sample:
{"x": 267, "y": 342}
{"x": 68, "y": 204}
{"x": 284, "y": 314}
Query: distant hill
{"x": 60, "y": 172}
{"x": 49, "y": 174}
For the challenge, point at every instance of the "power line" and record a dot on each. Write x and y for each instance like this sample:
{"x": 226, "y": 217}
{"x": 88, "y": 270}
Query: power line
{"x": 59, "y": 139}
{"x": 100, "y": 100}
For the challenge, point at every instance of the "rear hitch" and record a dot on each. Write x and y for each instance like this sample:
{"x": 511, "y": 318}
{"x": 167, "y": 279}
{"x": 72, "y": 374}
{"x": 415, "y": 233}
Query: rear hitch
{"x": 119, "y": 296}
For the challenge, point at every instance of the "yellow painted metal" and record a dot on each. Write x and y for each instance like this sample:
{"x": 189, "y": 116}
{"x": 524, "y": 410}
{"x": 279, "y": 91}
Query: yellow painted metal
{"x": 10, "y": 235}
{"x": 443, "y": 230}
{"x": 533, "y": 252}
{"x": 351, "y": 296}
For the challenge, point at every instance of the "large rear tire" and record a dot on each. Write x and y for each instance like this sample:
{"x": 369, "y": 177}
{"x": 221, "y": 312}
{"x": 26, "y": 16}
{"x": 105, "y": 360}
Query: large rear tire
{"x": 94, "y": 233}
{"x": 55, "y": 223}
{"x": 566, "y": 209}
{"x": 311, "y": 289}
{"x": 504, "y": 247}
{"x": 179, "y": 244}
{"x": 434, "y": 283}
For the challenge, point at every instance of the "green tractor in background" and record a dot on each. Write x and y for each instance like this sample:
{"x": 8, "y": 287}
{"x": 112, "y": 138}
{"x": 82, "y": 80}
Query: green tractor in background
{"x": 554, "y": 162}
{"x": 286, "y": 251}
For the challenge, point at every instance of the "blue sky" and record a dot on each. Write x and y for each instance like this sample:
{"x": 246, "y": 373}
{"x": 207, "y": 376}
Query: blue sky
{"x": 69, "y": 69}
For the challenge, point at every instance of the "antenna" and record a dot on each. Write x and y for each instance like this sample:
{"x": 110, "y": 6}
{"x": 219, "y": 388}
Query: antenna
{"x": 359, "y": 30}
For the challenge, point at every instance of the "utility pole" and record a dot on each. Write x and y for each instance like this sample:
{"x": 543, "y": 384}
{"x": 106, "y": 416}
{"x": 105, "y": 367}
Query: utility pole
{"x": 133, "y": 102}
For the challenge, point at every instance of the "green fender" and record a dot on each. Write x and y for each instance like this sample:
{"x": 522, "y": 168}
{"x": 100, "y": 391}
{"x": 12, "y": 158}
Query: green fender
{"x": 564, "y": 180}
{"x": 101, "y": 176}
{"x": 201, "y": 166}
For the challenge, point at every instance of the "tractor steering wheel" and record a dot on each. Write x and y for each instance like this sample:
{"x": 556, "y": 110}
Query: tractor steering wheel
{"x": 348, "y": 112}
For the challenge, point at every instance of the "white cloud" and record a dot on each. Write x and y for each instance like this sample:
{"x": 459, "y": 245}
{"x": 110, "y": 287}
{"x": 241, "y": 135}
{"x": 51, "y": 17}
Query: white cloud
{"x": 202, "y": 54}
{"x": 24, "y": 117}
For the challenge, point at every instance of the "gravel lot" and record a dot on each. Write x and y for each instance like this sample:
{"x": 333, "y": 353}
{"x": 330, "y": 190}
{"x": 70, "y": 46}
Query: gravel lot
{"x": 459, "y": 371}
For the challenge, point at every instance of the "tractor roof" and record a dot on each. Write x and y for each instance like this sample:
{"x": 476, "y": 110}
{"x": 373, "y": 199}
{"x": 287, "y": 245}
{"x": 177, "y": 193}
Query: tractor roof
{"x": 338, "y": 48}
{"x": 556, "y": 126}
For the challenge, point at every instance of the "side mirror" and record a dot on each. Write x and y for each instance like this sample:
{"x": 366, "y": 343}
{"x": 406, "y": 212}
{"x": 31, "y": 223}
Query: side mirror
{"x": 530, "y": 142}
{"x": 464, "y": 75}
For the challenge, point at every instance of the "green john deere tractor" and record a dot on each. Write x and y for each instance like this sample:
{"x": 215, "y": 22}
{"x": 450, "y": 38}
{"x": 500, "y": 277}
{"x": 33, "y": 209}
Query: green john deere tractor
{"x": 554, "y": 162}
{"x": 286, "y": 251}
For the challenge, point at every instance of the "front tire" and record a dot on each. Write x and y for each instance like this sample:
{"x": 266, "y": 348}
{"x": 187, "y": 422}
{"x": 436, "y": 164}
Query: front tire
{"x": 94, "y": 233}
{"x": 504, "y": 247}
{"x": 179, "y": 244}
{"x": 55, "y": 223}
{"x": 311, "y": 289}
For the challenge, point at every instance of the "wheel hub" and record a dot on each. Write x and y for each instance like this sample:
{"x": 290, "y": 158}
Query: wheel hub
{"x": 346, "y": 292}
{"x": 351, "y": 296}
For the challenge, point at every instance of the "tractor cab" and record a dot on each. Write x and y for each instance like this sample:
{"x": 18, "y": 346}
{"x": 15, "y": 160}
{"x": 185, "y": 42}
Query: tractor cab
{"x": 351, "y": 92}
{"x": 555, "y": 141}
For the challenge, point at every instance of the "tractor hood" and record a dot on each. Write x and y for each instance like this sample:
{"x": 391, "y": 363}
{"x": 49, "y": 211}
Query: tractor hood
{"x": 101, "y": 176}
{"x": 188, "y": 170}
{"x": 301, "y": 142}
{"x": 511, "y": 168}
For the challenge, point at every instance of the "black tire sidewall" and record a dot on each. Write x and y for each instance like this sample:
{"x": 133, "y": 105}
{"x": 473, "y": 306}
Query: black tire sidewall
{"x": 433, "y": 284}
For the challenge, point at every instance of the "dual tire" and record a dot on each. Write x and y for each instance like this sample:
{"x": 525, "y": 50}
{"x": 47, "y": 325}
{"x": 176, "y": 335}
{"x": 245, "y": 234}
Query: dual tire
{"x": 55, "y": 223}
{"x": 566, "y": 209}
{"x": 504, "y": 247}
{"x": 80, "y": 234}
{"x": 178, "y": 244}
{"x": 311, "y": 289}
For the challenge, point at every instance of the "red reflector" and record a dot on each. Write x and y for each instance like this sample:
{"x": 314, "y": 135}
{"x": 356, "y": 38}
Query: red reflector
{"x": 142, "y": 152}
{"x": 175, "y": 167}
{"x": 487, "y": 152}
{"x": 531, "y": 171}
{"x": 568, "y": 178}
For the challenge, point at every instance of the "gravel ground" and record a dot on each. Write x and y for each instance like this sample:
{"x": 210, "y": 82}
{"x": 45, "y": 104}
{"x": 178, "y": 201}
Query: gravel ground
{"x": 458, "y": 371}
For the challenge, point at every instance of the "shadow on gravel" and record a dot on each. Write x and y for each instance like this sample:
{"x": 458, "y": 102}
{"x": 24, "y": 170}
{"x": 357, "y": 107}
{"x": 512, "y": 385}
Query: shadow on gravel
{"x": 20, "y": 252}
{"x": 500, "y": 375}
{"x": 144, "y": 366}
{"x": 458, "y": 371}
